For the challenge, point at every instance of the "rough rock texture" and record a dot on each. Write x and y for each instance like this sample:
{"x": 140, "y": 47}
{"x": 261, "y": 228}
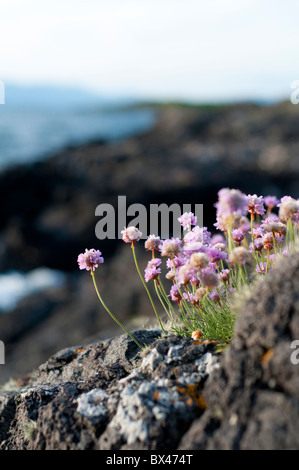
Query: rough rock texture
{"x": 253, "y": 398}
{"x": 109, "y": 396}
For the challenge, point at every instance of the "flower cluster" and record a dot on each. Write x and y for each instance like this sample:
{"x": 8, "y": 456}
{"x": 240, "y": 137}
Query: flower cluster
{"x": 205, "y": 269}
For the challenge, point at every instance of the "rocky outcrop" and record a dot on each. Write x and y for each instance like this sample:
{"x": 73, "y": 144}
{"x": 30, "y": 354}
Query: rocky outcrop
{"x": 253, "y": 399}
{"x": 110, "y": 396}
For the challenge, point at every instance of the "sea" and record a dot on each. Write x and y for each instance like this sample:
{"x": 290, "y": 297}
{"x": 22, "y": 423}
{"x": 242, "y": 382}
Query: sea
{"x": 27, "y": 135}
{"x": 33, "y": 133}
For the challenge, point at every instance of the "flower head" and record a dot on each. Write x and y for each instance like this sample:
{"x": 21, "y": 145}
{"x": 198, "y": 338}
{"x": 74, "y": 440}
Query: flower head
{"x": 288, "y": 209}
{"x": 187, "y": 219}
{"x": 199, "y": 260}
{"x": 90, "y": 259}
{"x": 224, "y": 275}
{"x": 238, "y": 235}
{"x": 230, "y": 201}
{"x": 153, "y": 243}
{"x": 255, "y": 204}
{"x": 239, "y": 255}
{"x": 171, "y": 247}
{"x": 131, "y": 234}
{"x": 152, "y": 270}
{"x": 175, "y": 294}
{"x": 209, "y": 278}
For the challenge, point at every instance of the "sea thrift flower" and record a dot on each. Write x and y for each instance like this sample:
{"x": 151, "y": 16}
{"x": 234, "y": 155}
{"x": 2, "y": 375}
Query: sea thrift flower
{"x": 131, "y": 234}
{"x": 224, "y": 275}
{"x": 153, "y": 243}
{"x": 255, "y": 204}
{"x": 175, "y": 294}
{"x": 214, "y": 296}
{"x": 230, "y": 201}
{"x": 198, "y": 234}
{"x": 152, "y": 270}
{"x": 90, "y": 259}
{"x": 209, "y": 278}
{"x": 189, "y": 297}
{"x": 218, "y": 238}
{"x": 258, "y": 232}
{"x": 171, "y": 247}
{"x": 267, "y": 240}
{"x": 199, "y": 260}
{"x": 238, "y": 235}
{"x": 288, "y": 209}
{"x": 220, "y": 246}
{"x": 177, "y": 261}
{"x": 275, "y": 227}
{"x": 187, "y": 219}
{"x": 186, "y": 273}
{"x": 257, "y": 245}
{"x": 193, "y": 247}
{"x": 239, "y": 255}
{"x": 216, "y": 255}
{"x": 225, "y": 223}
{"x": 170, "y": 275}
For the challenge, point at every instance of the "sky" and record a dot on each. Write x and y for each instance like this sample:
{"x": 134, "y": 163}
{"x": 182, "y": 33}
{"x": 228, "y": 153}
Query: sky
{"x": 217, "y": 50}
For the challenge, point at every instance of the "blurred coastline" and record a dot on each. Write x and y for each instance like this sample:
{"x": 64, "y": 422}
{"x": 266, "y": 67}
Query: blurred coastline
{"x": 167, "y": 153}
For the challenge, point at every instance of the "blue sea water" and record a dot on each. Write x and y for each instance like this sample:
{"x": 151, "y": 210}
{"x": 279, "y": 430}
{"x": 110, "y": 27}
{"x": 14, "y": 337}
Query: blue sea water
{"x": 27, "y": 135}
{"x": 31, "y": 133}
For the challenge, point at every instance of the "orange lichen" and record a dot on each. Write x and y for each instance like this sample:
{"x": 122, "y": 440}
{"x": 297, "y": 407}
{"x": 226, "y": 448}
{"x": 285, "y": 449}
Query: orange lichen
{"x": 194, "y": 394}
{"x": 267, "y": 356}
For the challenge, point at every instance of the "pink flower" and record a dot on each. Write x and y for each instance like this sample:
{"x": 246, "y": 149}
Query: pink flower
{"x": 238, "y": 235}
{"x": 230, "y": 201}
{"x": 153, "y": 243}
{"x": 197, "y": 234}
{"x": 171, "y": 247}
{"x": 224, "y": 275}
{"x": 152, "y": 270}
{"x": 90, "y": 259}
{"x": 239, "y": 255}
{"x": 255, "y": 204}
{"x": 209, "y": 278}
{"x": 187, "y": 219}
{"x": 216, "y": 255}
{"x": 175, "y": 294}
{"x": 131, "y": 234}
{"x": 288, "y": 209}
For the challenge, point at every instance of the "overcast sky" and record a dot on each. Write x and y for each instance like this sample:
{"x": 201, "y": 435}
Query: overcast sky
{"x": 163, "y": 49}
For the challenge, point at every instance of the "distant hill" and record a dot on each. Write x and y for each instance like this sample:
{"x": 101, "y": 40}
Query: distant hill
{"x": 55, "y": 97}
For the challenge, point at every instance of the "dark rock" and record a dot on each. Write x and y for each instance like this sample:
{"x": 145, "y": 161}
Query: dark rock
{"x": 110, "y": 396}
{"x": 253, "y": 398}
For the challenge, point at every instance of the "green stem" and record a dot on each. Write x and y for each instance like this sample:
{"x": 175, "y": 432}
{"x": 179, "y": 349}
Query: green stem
{"x": 110, "y": 313}
{"x": 145, "y": 286}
